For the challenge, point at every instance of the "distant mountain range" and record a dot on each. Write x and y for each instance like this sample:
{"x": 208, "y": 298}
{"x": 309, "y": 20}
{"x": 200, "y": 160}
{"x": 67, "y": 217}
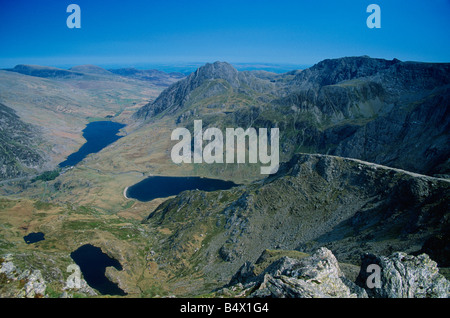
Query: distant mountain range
{"x": 154, "y": 76}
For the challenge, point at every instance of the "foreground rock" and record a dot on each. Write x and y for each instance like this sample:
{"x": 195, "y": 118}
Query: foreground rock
{"x": 320, "y": 276}
{"x": 316, "y": 276}
{"x": 404, "y": 276}
{"x": 17, "y": 282}
{"x": 30, "y": 283}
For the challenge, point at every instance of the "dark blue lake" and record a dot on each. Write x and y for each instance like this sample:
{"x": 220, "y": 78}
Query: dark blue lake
{"x": 34, "y": 237}
{"x": 162, "y": 187}
{"x": 98, "y": 135}
{"x": 93, "y": 262}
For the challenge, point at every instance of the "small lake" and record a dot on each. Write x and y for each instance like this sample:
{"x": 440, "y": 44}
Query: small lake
{"x": 163, "y": 187}
{"x": 34, "y": 237}
{"x": 93, "y": 262}
{"x": 98, "y": 135}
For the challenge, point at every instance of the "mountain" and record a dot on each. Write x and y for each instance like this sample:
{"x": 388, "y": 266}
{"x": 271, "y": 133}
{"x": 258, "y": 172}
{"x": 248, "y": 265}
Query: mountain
{"x": 384, "y": 111}
{"x": 19, "y": 152}
{"x": 209, "y": 84}
{"x": 333, "y": 71}
{"x": 350, "y": 206}
{"x": 44, "y": 71}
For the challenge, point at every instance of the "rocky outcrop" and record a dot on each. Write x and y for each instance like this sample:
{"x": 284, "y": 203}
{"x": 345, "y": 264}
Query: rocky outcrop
{"x": 403, "y": 276}
{"x": 16, "y": 282}
{"x": 30, "y": 282}
{"x": 317, "y": 276}
{"x": 320, "y": 276}
{"x": 18, "y": 146}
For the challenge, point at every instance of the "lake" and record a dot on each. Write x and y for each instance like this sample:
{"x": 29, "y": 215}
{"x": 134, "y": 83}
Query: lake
{"x": 93, "y": 262}
{"x": 34, "y": 237}
{"x": 98, "y": 135}
{"x": 162, "y": 187}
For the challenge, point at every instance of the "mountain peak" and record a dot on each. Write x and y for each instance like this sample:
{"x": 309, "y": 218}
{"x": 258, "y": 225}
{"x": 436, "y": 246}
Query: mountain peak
{"x": 216, "y": 70}
{"x": 175, "y": 96}
{"x": 333, "y": 71}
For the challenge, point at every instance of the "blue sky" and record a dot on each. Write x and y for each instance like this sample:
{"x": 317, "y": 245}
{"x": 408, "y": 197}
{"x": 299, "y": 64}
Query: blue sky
{"x": 301, "y": 32}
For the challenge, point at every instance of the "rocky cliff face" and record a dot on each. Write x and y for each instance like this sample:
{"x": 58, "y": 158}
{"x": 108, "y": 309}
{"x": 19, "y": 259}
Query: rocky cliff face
{"x": 18, "y": 146}
{"x": 387, "y": 112}
{"x": 334, "y": 71}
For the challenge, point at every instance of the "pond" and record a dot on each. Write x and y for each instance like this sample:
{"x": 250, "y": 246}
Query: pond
{"x": 93, "y": 263}
{"x": 162, "y": 187}
{"x": 98, "y": 135}
{"x": 34, "y": 237}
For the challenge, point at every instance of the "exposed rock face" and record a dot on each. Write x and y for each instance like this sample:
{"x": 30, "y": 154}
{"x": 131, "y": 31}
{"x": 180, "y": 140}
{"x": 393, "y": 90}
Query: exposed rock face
{"x": 399, "y": 111}
{"x": 16, "y": 282}
{"x": 320, "y": 276}
{"x": 317, "y": 276}
{"x": 31, "y": 281}
{"x": 333, "y": 71}
{"x": 18, "y": 150}
{"x": 404, "y": 276}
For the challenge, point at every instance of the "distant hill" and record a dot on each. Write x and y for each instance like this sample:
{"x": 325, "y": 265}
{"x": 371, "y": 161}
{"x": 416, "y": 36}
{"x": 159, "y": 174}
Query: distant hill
{"x": 43, "y": 71}
{"x": 90, "y": 69}
{"x": 154, "y": 76}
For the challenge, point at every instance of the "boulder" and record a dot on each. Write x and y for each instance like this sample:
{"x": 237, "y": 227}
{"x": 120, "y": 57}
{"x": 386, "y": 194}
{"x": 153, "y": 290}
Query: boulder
{"x": 402, "y": 276}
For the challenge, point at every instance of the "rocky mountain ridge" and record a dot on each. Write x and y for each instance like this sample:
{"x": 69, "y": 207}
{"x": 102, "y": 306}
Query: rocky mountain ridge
{"x": 348, "y": 206}
{"x": 382, "y": 111}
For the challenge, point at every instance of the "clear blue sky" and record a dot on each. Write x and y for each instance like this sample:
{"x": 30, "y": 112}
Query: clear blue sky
{"x": 299, "y": 32}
